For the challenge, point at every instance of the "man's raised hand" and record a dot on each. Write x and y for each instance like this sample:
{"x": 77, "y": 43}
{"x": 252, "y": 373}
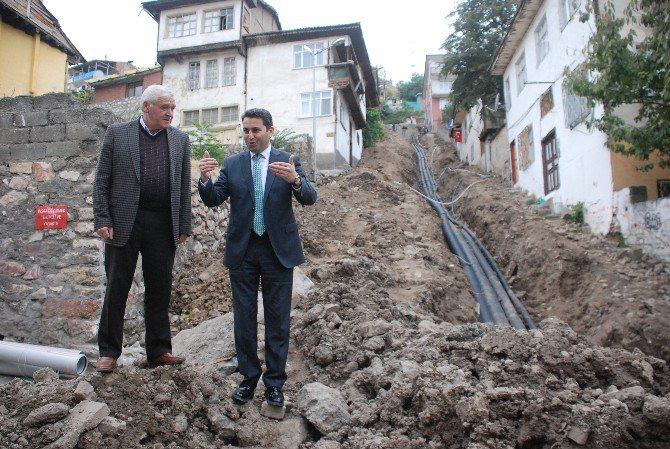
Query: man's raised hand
{"x": 206, "y": 165}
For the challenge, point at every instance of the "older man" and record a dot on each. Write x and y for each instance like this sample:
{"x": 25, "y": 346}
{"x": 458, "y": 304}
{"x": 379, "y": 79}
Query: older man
{"x": 141, "y": 204}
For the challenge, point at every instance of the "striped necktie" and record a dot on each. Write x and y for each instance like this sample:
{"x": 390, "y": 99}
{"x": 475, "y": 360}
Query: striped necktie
{"x": 257, "y": 171}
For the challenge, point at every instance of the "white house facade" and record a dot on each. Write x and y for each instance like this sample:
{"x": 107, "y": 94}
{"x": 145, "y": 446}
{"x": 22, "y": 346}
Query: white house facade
{"x": 221, "y": 58}
{"x": 553, "y": 153}
{"x": 436, "y": 90}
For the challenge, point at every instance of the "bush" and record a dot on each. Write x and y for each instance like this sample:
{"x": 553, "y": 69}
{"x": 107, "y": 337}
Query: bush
{"x": 202, "y": 139}
{"x": 577, "y": 214}
{"x": 373, "y": 131}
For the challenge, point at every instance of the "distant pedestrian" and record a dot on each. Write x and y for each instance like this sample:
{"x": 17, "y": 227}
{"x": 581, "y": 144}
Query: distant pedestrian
{"x": 142, "y": 205}
{"x": 262, "y": 246}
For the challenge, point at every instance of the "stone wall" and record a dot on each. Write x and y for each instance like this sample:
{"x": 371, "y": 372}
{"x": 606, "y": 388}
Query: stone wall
{"x": 50, "y": 285}
{"x": 52, "y": 281}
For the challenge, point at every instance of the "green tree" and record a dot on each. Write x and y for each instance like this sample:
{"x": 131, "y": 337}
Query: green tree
{"x": 202, "y": 139}
{"x": 622, "y": 69}
{"x": 373, "y": 131}
{"x": 390, "y": 115}
{"x": 479, "y": 28}
{"x": 409, "y": 89}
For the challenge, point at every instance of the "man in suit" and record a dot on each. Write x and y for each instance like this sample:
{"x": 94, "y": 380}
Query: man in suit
{"x": 142, "y": 204}
{"x": 262, "y": 245}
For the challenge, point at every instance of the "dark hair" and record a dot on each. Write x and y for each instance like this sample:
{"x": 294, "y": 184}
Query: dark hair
{"x": 262, "y": 114}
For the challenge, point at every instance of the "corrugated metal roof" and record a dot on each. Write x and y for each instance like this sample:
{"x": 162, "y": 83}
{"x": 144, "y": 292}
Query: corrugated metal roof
{"x": 32, "y": 16}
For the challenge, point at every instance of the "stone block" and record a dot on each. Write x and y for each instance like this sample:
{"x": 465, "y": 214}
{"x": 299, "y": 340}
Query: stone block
{"x": 25, "y": 168}
{"x": 50, "y": 133}
{"x": 46, "y": 414}
{"x": 22, "y": 103}
{"x": 70, "y": 308}
{"x": 13, "y": 198}
{"x": 111, "y": 426}
{"x": 83, "y": 131}
{"x": 85, "y": 213}
{"x": 57, "y": 116}
{"x": 5, "y": 152}
{"x": 42, "y": 172}
{"x": 63, "y": 149}
{"x": 272, "y": 411}
{"x": 84, "y": 416}
{"x": 6, "y": 120}
{"x": 34, "y": 118}
{"x": 28, "y": 151}
{"x": 70, "y": 175}
{"x": 15, "y": 135}
{"x": 56, "y": 101}
{"x": 84, "y": 391}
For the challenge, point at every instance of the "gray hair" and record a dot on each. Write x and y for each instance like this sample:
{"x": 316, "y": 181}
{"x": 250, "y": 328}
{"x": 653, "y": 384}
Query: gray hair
{"x": 152, "y": 93}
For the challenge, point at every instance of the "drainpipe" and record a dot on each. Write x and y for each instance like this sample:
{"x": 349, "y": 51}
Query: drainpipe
{"x": 21, "y": 359}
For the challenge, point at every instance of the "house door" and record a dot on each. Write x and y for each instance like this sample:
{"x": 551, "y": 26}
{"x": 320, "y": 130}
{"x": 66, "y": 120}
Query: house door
{"x": 550, "y": 160}
{"x": 512, "y": 157}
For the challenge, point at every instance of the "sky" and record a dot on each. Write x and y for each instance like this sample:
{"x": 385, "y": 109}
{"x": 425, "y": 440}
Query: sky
{"x": 398, "y": 35}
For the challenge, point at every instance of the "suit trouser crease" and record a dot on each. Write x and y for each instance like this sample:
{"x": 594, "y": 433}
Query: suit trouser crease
{"x": 151, "y": 236}
{"x": 260, "y": 262}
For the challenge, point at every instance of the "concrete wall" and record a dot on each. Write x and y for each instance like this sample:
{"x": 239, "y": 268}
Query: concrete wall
{"x": 29, "y": 66}
{"x": 645, "y": 224}
{"x": 52, "y": 281}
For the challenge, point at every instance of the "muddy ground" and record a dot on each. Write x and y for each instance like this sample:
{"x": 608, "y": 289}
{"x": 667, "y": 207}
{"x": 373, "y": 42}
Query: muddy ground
{"x": 390, "y": 325}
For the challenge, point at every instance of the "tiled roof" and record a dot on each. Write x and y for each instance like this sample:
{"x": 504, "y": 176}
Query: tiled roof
{"x": 32, "y": 16}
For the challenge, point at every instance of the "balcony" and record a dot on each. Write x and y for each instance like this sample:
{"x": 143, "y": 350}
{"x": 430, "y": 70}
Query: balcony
{"x": 344, "y": 77}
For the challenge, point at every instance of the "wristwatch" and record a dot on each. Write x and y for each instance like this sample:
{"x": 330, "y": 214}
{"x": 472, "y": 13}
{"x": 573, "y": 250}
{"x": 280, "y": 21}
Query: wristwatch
{"x": 297, "y": 182}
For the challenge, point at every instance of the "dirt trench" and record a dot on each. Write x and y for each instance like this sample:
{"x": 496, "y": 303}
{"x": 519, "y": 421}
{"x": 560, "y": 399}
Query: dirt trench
{"x": 391, "y": 325}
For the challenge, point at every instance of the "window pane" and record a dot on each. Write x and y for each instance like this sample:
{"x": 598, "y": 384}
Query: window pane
{"x": 210, "y": 116}
{"x": 212, "y": 73}
{"x": 229, "y": 73}
{"x": 190, "y": 118}
{"x": 305, "y": 105}
{"x": 181, "y": 25}
{"x": 229, "y": 114}
{"x": 219, "y": 20}
{"x": 194, "y": 75}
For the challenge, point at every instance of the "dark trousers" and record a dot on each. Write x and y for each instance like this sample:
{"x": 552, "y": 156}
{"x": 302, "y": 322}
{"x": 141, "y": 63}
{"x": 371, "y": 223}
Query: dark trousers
{"x": 260, "y": 264}
{"x": 152, "y": 237}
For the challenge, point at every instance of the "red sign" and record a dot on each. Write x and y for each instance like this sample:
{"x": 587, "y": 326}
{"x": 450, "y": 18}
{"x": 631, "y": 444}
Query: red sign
{"x": 51, "y": 217}
{"x": 458, "y": 136}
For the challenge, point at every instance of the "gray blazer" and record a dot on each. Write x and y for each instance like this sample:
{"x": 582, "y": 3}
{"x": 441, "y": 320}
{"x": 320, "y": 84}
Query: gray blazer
{"x": 116, "y": 189}
{"x": 235, "y": 182}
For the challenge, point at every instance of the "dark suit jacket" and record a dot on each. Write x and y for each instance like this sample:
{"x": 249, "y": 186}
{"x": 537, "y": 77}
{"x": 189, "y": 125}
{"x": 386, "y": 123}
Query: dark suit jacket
{"x": 235, "y": 182}
{"x": 116, "y": 190}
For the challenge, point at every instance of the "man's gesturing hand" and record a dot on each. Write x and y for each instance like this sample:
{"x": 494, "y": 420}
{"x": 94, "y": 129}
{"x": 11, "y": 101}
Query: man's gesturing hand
{"x": 285, "y": 170}
{"x": 206, "y": 165}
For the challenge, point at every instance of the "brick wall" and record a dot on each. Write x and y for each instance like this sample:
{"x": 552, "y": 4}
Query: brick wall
{"x": 108, "y": 93}
{"x": 52, "y": 281}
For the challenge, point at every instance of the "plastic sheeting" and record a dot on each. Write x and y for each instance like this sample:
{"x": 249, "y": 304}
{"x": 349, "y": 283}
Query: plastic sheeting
{"x": 21, "y": 359}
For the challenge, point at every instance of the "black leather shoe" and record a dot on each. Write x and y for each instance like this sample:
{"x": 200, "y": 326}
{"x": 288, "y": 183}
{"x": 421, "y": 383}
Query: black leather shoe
{"x": 244, "y": 394}
{"x": 274, "y": 396}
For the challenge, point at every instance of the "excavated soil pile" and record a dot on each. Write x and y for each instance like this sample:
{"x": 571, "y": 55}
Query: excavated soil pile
{"x": 386, "y": 351}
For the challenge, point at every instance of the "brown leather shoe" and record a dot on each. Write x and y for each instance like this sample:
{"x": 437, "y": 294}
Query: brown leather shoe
{"x": 166, "y": 359}
{"x": 105, "y": 364}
